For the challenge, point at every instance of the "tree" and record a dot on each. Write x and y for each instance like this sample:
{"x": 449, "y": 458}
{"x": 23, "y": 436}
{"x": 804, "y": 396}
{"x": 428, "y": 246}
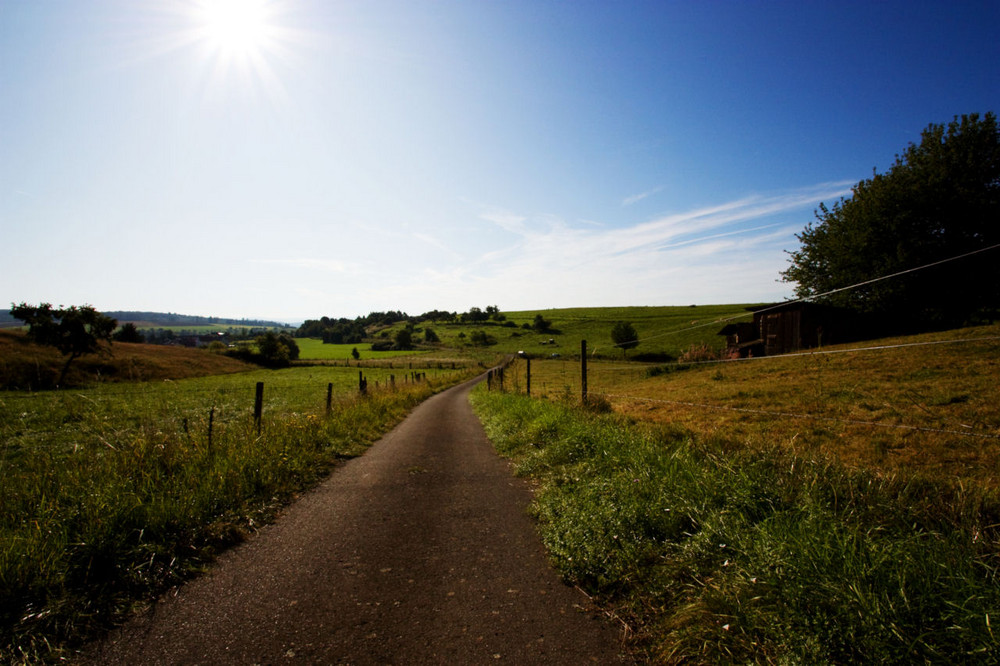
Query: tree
{"x": 277, "y": 350}
{"x": 623, "y": 335}
{"x": 430, "y": 336}
{"x": 74, "y": 331}
{"x": 355, "y": 354}
{"x": 128, "y": 333}
{"x": 940, "y": 200}
{"x": 404, "y": 339}
{"x": 541, "y": 324}
{"x": 474, "y": 315}
{"x": 481, "y": 339}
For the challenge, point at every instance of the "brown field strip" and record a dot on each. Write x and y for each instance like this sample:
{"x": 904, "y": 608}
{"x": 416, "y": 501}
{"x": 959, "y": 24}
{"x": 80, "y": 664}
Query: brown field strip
{"x": 923, "y": 404}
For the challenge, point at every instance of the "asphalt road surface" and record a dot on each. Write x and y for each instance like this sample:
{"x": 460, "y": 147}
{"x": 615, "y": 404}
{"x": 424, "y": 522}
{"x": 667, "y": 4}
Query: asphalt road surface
{"x": 418, "y": 552}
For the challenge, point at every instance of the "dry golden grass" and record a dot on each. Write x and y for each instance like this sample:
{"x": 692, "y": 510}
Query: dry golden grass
{"x": 930, "y": 407}
{"x": 24, "y": 365}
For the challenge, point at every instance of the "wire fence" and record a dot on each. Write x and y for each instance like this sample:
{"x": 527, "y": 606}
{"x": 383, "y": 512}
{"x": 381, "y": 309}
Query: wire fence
{"x": 905, "y": 386}
{"x": 111, "y": 413}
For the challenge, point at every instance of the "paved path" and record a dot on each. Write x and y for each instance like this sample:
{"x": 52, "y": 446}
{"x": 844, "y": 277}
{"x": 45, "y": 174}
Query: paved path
{"x": 418, "y": 552}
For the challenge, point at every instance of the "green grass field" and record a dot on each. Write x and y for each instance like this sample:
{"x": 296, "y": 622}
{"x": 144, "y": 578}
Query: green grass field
{"x": 710, "y": 552}
{"x": 112, "y": 493}
{"x": 313, "y": 349}
{"x": 666, "y": 330}
{"x": 821, "y": 508}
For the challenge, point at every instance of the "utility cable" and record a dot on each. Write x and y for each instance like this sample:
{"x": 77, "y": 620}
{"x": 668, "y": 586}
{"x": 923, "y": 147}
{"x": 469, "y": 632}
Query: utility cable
{"x": 813, "y": 297}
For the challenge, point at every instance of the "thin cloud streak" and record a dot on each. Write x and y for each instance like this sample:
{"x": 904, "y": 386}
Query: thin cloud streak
{"x": 636, "y": 198}
{"x": 685, "y": 257}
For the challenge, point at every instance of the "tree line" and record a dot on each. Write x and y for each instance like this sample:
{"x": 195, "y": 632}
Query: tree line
{"x": 354, "y": 331}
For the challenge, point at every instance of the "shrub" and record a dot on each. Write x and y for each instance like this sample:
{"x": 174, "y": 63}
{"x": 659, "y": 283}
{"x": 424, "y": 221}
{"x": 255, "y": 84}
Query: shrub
{"x": 481, "y": 339}
{"x": 699, "y": 354}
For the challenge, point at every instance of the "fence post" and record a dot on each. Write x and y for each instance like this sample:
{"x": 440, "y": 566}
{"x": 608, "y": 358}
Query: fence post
{"x": 329, "y": 398}
{"x": 489, "y": 380}
{"x": 362, "y": 383}
{"x": 527, "y": 360}
{"x": 258, "y": 405}
{"x": 583, "y": 369}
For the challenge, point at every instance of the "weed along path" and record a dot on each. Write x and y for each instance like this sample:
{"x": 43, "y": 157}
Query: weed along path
{"x": 418, "y": 552}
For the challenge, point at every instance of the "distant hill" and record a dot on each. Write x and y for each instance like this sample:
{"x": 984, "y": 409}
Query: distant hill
{"x": 155, "y": 319}
{"x": 172, "y": 319}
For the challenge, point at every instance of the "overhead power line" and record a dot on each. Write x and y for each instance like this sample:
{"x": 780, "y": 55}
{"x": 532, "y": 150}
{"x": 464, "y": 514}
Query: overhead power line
{"x": 813, "y": 297}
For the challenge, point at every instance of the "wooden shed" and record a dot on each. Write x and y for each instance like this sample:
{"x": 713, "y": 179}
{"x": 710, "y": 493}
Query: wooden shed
{"x": 789, "y": 327}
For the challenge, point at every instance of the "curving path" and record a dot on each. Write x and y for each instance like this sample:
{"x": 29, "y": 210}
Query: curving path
{"x": 418, "y": 552}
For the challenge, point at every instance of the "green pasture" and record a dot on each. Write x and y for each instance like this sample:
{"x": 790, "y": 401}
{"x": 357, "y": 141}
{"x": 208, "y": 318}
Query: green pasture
{"x": 314, "y": 349}
{"x": 669, "y": 330}
{"x": 112, "y": 494}
{"x": 712, "y": 553}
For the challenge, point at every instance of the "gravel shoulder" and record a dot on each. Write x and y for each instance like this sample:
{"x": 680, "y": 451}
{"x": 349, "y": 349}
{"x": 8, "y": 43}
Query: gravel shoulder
{"x": 418, "y": 552}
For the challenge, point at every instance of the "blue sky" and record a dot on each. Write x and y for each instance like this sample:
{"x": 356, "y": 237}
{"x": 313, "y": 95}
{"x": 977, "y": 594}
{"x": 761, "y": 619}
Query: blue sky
{"x": 299, "y": 158}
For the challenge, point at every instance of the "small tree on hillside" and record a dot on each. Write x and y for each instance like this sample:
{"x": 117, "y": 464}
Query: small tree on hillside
{"x": 541, "y": 324}
{"x": 624, "y": 335}
{"x": 128, "y": 333}
{"x": 404, "y": 339}
{"x": 74, "y": 331}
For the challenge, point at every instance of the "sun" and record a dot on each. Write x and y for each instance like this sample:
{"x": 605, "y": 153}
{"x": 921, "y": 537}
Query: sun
{"x": 235, "y": 28}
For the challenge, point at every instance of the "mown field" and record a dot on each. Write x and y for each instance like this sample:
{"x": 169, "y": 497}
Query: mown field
{"x": 838, "y": 507}
{"x": 113, "y": 493}
{"x": 917, "y": 404}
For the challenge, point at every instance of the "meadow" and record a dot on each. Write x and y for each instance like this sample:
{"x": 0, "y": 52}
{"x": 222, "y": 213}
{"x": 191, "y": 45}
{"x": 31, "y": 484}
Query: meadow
{"x": 920, "y": 404}
{"x": 664, "y": 331}
{"x": 313, "y": 349}
{"x": 113, "y": 493}
{"x": 710, "y": 552}
{"x": 837, "y": 506}
{"x": 833, "y": 506}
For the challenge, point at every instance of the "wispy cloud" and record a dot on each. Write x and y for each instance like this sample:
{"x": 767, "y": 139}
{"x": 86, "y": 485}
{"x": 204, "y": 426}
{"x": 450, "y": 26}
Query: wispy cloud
{"x": 736, "y": 247}
{"x": 635, "y": 198}
{"x": 506, "y": 220}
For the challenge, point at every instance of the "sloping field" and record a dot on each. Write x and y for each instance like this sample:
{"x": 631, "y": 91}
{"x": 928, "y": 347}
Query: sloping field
{"x": 924, "y": 403}
{"x": 24, "y": 365}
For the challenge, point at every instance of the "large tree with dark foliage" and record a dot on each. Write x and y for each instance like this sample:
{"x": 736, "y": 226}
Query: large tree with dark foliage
{"x": 940, "y": 200}
{"x": 74, "y": 331}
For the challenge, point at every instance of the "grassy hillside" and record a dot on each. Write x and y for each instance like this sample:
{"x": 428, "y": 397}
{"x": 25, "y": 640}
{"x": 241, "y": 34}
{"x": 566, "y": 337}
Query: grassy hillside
{"x": 663, "y": 331}
{"x": 24, "y": 365}
{"x": 921, "y": 403}
{"x": 314, "y": 349}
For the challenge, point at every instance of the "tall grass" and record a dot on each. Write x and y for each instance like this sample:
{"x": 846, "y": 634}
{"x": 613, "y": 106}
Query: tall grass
{"x": 110, "y": 496}
{"x": 714, "y": 553}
